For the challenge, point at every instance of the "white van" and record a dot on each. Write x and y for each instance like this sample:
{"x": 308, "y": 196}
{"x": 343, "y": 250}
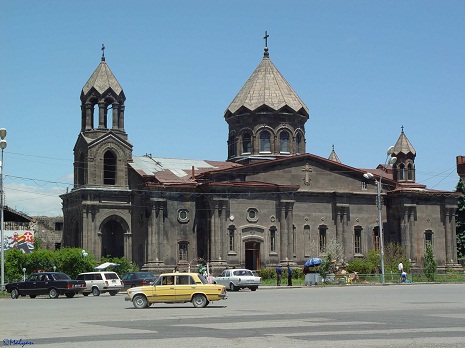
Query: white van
{"x": 101, "y": 282}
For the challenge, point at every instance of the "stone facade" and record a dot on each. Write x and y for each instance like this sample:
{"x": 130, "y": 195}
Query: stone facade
{"x": 270, "y": 203}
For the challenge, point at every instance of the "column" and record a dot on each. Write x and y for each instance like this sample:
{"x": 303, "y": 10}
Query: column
{"x": 121, "y": 118}
{"x": 89, "y": 116}
{"x": 282, "y": 231}
{"x": 101, "y": 115}
{"x": 406, "y": 234}
{"x": 290, "y": 232}
{"x": 448, "y": 244}
{"x": 115, "y": 115}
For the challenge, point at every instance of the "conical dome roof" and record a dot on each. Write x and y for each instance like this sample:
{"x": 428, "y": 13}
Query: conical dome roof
{"x": 102, "y": 79}
{"x": 403, "y": 145}
{"x": 267, "y": 87}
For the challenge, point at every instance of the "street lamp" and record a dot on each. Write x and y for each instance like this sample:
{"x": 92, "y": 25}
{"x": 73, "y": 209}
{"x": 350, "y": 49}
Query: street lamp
{"x": 3, "y": 147}
{"x": 24, "y": 274}
{"x": 389, "y": 160}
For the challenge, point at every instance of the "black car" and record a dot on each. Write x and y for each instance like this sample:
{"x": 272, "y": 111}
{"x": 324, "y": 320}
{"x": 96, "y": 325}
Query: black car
{"x": 132, "y": 279}
{"x": 52, "y": 284}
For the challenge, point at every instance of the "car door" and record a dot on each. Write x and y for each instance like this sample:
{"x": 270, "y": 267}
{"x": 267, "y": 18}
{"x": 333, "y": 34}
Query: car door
{"x": 185, "y": 286}
{"x": 223, "y": 279}
{"x": 164, "y": 290}
{"x": 28, "y": 287}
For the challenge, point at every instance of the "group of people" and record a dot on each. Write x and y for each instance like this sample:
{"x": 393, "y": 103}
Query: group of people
{"x": 279, "y": 274}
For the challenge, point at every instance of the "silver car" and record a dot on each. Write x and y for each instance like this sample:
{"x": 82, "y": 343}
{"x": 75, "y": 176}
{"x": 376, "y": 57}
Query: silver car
{"x": 236, "y": 279}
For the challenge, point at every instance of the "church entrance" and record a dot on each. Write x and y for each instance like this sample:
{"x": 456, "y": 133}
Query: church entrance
{"x": 112, "y": 239}
{"x": 252, "y": 255}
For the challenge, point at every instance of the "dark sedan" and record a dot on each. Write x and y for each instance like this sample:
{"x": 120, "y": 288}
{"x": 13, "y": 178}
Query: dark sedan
{"x": 132, "y": 279}
{"x": 52, "y": 284}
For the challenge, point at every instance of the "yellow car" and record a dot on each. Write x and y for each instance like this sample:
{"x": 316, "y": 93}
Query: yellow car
{"x": 177, "y": 288}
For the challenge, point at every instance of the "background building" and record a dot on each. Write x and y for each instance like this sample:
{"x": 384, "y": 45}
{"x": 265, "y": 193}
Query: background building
{"x": 271, "y": 202}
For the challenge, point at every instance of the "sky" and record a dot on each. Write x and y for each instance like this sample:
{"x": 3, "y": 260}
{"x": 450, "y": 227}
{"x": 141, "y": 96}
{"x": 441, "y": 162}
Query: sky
{"x": 363, "y": 68}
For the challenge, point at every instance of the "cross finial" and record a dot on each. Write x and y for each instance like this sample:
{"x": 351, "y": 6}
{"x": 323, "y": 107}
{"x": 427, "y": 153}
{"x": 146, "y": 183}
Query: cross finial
{"x": 103, "y": 52}
{"x": 402, "y": 128}
{"x": 266, "y": 54}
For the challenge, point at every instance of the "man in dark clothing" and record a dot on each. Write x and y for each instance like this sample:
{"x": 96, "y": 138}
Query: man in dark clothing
{"x": 289, "y": 275}
{"x": 279, "y": 273}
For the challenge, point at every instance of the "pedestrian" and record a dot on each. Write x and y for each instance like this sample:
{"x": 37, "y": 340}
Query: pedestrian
{"x": 400, "y": 267}
{"x": 279, "y": 273}
{"x": 289, "y": 275}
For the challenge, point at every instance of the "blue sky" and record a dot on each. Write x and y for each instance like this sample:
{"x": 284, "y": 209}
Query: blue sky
{"x": 364, "y": 69}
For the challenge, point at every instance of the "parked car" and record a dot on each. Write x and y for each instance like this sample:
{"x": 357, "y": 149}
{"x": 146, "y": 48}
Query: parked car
{"x": 101, "y": 282}
{"x": 236, "y": 279}
{"x": 177, "y": 288}
{"x": 52, "y": 284}
{"x": 132, "y": 279}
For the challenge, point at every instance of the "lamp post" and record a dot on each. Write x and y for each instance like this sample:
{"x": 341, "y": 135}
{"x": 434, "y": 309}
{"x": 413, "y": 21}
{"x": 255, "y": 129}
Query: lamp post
{"x": 389, "y": 160}
{"x": 3, "y": 147}
{"x": 24, "y": 274}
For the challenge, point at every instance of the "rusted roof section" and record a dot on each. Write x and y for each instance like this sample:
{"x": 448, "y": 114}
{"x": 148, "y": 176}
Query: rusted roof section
{"x": 175, "y": 170}
{"x": 266, "y": 86}
{"x": 102, "y": 79}
{"x": 403, "y": 145}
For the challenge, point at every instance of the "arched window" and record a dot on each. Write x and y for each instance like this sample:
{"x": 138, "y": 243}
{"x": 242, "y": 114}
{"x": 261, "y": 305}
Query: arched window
{"x": 265, "y": 143}
{"x": 183, "y": 251}
{"x": 109, "y": 168}
{"x": 357, "y": 240}
{"x": 376, "y": 238}
{"x": 401, "y": 172}
{"x": 428, "y": 238}
{"x": 284, "y": 142}
{"x": 298, "y": 144}
{"x": 246, "y": 143}
{"x": 410, "y": 172}
{"x": 322, "y": 238}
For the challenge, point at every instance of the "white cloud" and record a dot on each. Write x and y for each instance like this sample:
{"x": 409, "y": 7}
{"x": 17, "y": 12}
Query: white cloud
{"x": 34, "y": 201}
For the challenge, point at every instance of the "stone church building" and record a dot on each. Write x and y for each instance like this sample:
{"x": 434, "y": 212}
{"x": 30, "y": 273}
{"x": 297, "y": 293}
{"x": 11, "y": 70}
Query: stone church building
{"x": 270, "y": 202}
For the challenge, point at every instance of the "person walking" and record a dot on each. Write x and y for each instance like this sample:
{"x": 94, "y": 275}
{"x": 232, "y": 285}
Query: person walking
{"x": 289, "y": 275}
{"x": 279, "y": 274}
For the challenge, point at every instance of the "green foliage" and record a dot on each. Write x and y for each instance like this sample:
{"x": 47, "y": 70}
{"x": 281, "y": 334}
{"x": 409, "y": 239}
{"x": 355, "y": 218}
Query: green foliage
{"x": 393, "y": 255}
{"x": 15, "y": 260}
{"x": 429, "y": 263}
{"x": 72, "y": 262}
{"x": 460, "y": 221}
{"x": 359, "y": 265}
{"x": 38, "y": 244}
{"x": 267, "y": 273}
{"x": 325, "y": 267}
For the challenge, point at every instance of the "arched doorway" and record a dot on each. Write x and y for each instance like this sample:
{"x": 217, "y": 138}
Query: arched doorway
{"x": 112, "y": 239}
{"x": 252, "y": 255}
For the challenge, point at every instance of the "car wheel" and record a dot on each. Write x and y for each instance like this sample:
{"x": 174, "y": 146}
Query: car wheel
{"x": 32, "y": 296}
{"x": 199, "y": 301}
{"x": 232, "y": 287}
{"x": 14, "y": 294}
{"x": 253, "y": 288}
{"x": 140, "y": 301}
{"x": 53, "y": 293}
{"x": 113, "y": 293}
{"x": 96, "y": 291}
{"x": 70, "y": 294}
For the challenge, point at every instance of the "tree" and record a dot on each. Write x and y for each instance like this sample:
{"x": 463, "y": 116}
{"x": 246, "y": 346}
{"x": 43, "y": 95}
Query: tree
{"x": 325, "y": 267}
{"x": 429, "y": 263}
{"x": 393, "y": 254}
{"x": 460, "y": 221}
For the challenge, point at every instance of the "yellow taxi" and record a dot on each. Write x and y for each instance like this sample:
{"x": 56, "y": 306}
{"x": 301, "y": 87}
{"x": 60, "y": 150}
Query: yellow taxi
{"x": 177, "y": 288}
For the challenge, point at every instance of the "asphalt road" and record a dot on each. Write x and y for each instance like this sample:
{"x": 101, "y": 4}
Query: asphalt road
{"x": 404, "y": 315}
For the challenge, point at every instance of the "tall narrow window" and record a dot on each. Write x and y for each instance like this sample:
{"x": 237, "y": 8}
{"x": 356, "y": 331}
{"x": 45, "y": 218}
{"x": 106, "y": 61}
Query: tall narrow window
{"x": 376, "y": 238}
{"x": 231, "y": 238}
{"x": 232, "y": 145}
{"x": 298, "y": 144}
{"x": 322, "y": 238}
{"x": 183, "y": 251}
{"x": 246, "y": 143}
{"x": 357, "y": 240}
{"x": 401, "y": 172}
{"x": 428, "y": 238}
{"x": 284, "y": 142}
{"x": 81, "y": 170}
{"x": 410, "y": 172}
{"x": 109, "y": 168}
{"x": 265, "y": 142}
{"x": 273, "y": 240}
